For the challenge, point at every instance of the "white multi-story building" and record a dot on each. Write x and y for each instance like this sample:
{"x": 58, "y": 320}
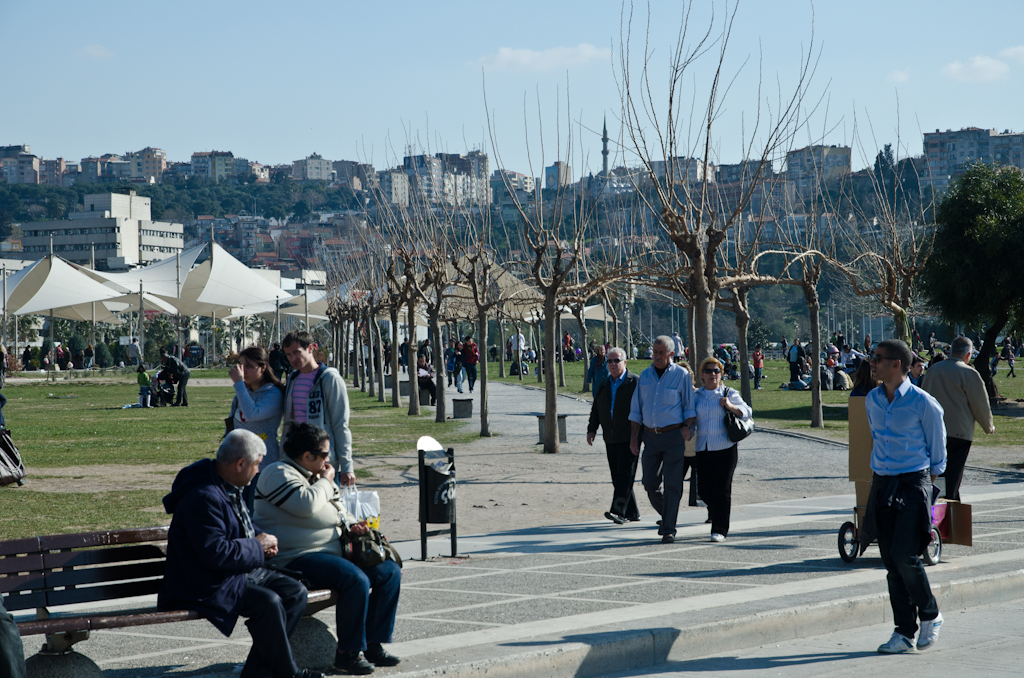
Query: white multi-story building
{"x": 313, "y": 168}
{"x": 394, "y": 186}
{"x": 117, "y": 225}
{"x": 684, "y": 170}
{"x": 808, "y": 167}
{"x": 947, "y": 153}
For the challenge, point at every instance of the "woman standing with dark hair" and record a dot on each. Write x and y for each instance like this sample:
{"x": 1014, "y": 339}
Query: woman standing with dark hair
{"x": 258, "y": 404}
{"x": 716, "y": 454}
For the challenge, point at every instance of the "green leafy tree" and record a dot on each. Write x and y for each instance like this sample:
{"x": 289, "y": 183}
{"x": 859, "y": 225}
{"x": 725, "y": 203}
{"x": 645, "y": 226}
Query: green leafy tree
{"x": 972, "y": 276}
{"x": 103, "y": 357}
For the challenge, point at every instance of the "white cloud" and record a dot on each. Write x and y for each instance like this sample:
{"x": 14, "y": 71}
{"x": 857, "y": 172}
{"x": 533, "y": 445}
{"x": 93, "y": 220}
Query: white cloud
{"x": 977, "y": 69}
{"x": 898, "y": 76}
{"x": 1014, "y": 54}
{"x": 555, "y": 58}
{"x": 97, "y": 52}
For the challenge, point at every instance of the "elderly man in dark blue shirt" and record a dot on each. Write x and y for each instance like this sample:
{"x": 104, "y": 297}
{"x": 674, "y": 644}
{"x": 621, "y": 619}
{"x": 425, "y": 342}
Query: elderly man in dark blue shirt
{"x": 661, "y": 413}
{"x": 908, "y": 452}
{"x": 215, "y": 558}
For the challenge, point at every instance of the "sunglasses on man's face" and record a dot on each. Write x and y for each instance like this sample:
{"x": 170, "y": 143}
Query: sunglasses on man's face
{"x": 614, "y": 360}
{"x": 877, "y": 358}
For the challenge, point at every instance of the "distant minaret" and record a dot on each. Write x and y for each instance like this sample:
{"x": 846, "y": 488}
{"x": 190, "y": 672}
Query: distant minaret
{"x": 604, "y": 148}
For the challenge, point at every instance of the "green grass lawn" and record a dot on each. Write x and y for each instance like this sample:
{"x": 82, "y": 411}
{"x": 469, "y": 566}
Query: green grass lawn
{"x": 70, "y": 424}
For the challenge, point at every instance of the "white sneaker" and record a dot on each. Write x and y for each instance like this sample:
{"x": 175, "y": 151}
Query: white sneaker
{"x": 898, "y": 644}
{"x": 929, "y": 633}
{"x": 717, "y": 538}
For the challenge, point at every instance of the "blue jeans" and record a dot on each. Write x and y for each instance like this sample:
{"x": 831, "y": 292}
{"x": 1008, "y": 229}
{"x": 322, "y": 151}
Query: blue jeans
{"x": 363, "y": 615}
{"x": 471, "y": 376}
{"x": 459, "y": 378}
{"x": 757, "y": 377}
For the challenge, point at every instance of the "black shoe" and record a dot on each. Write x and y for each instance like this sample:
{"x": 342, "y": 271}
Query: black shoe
{"x": 633, "y": 519}
{"x": 615, "y": 518}
{"x": 378, "y": 656}
{"x": 306, "y": 673}
{"x": 352, "y": 663}
{"x": 668, "y": 539}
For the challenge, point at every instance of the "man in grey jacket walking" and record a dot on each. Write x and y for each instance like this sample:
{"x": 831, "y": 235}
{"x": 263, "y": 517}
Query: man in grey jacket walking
{"x": 316, "y": 395}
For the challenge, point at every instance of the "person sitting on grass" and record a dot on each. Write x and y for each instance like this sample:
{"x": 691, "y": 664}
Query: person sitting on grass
{"x": 298, "y": 501}
{"x": 425, "y": 378}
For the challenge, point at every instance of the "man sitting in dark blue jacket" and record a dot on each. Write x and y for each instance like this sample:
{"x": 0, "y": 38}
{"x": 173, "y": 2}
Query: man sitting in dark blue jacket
{"x": 215, "y": 558}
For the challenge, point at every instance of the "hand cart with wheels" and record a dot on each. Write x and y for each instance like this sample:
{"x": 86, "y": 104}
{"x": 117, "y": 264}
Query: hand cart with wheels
{"x": 850, "y": 545}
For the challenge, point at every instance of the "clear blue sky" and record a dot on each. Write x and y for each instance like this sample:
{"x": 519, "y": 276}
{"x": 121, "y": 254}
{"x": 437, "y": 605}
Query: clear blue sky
{"x": 274, "y": 81}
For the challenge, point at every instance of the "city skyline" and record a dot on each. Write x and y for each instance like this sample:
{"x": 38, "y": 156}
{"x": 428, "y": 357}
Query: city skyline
{"x": 274, "y": 84}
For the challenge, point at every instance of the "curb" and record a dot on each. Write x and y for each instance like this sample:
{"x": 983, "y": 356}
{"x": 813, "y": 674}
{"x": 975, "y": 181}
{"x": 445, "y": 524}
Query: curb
{"x": 606, "y": 653}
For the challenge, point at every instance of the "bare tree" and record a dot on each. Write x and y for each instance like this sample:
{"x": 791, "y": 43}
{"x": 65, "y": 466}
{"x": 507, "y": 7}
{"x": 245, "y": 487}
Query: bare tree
{"x": 675, "y": 150}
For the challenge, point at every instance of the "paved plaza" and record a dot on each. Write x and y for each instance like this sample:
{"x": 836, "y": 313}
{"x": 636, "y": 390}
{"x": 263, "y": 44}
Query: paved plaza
{"x": 575, "y": 595}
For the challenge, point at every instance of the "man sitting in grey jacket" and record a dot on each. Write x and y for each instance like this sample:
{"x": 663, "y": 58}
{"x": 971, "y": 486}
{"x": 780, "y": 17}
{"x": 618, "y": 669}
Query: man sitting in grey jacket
{"x": 316, "y": 395}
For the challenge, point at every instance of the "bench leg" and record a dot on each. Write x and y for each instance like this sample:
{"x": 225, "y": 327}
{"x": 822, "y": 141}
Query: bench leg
{"x": 314, "y": 644}
{"x": 68, "y": 665}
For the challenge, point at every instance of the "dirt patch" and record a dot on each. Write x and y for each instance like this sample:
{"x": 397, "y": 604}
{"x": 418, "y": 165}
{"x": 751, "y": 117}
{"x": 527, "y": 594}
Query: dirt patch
{"x": 103, "y": 478}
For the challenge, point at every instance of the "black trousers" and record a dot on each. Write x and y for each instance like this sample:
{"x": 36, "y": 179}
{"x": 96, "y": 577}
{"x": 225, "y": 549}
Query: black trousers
{"x": 12, "y": 654}
{"x": 957, "y": 450}
{"x": 715, "y": 469}
{"x": 622, "y": 464}
{"x": 690, "y": 463}
{"x": 273, "y": 608}
{"x": 182, "y": 397}
{"x": 428, "y": 383}
{"x": 794, "y": 371}
{"x": 899, "y": 542}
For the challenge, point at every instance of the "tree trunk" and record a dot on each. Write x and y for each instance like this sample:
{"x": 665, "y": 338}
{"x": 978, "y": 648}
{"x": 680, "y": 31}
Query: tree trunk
{"x": 550, "y": 392}
{"x": 368, "y": 360}
{"x": 485, "y": 423}
{"x": 703, "y": 341}
{"x": 561, "y": 353}
{"x": 396, "y": 393}
{"x": 379, "y": 359}
{"x": 609, "y": 307}
{"x": 501, "y": 348}
{"x": 814, "y": 312}
{"x": 691, "y": 335}
{"x": 435, "y": 328}
{"x": 541, "y": 359}
{"x": 341, "y": 355}
{"x": 742, "y": 323}
{"x": 414, "y": 386}
{"x": 579, "y": 311}
{"x": 987, "y": 350}
{"x": 519, "y": 348}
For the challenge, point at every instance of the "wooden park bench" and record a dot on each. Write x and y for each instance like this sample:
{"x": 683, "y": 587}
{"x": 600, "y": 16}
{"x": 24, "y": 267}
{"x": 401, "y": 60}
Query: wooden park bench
{"x": 46, "y": 573}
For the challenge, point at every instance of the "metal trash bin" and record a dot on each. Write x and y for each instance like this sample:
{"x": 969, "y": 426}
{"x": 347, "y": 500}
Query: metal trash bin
{"x": 437, "y": 491}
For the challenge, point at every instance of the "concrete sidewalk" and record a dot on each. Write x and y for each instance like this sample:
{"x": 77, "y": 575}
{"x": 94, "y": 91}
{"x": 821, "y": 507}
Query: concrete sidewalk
{"x": 590, "y": 598}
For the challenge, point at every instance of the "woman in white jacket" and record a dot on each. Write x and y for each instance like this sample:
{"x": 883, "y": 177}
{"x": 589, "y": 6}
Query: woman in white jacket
{"x": 716, "y": 454}
{"x": 298, "y": 501}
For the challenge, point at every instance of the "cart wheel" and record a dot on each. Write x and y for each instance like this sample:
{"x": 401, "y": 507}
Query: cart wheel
{"x": 934, "y": 550}
{"x": 849, "y": 545}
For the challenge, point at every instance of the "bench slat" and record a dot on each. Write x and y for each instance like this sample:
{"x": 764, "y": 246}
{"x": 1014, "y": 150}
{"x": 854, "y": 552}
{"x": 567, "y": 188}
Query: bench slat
{"x": 100, "y": 575}
{"x": 25, "y": 601}
{"x": 57, "y": 542}
{"x": 108, "y": 592}
{"x": 100, "y": 556}
{"x": 106, "y": 620}
{"x": 22, "y": 582}
{"x": 29, "y": 563}
{"x": 13, "y": 547}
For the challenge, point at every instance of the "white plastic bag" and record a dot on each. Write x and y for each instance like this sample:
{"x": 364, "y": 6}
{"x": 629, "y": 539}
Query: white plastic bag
{"x": 361, "y": 504}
